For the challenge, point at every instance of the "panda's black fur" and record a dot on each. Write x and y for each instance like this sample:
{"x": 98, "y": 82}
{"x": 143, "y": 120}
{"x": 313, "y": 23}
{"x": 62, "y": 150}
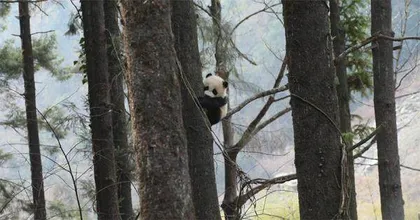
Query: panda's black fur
{"x": 214, "y": 100}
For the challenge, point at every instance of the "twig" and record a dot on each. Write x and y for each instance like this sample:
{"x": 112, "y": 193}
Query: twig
{"x": 67, "y": 161}
{"x": 40, "y": 9}
{"x": 251, "y": 15}
{"x": 230, "y": 39}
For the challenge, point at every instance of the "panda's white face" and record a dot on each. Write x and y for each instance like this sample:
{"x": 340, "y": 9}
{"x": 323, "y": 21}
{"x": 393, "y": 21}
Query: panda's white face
{"x": 215, "y": 86}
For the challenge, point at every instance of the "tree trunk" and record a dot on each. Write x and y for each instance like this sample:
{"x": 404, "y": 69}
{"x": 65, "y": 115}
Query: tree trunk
{"x": 384, "y": 100}
{"x": 199, "y": 138}
{"x": 314, "y": 108}
{"x": 119, "y": 121}
{"x": 343, "y": 94}
{"x": 156, "y": 105}
{"x": 100, "y": 114}
{"x": 31, "y": 113}
{"x": 229, "y": 201}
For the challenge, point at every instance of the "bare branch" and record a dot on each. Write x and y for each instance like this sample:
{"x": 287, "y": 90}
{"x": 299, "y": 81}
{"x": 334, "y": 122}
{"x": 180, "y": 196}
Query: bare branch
{"x": 412, "y": 93}
{"x": 241, "y": 200}
{"x": 255, "y": 97}
{"x": 401, "y": 165}
{"x": 67, "y": 161}
{"x": 371, "y": 135}
{"x": 253, "y": 129}
{"x": 361, "y": 152}
{"x": 43, "y": 32}
{"x": 369, "y": 40}
{"x": 230, "y": 39}
{"x": 353, "y": 48}
{"x": 399, "y": 39}
{"x": 267, "y": 7}
{"x": 273, "y": 118}
{"x": 275, "y": 90}
{"x": 40, "y": 9}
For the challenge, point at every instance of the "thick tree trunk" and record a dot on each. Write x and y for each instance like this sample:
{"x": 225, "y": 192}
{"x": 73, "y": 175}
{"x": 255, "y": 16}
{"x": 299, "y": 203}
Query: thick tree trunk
{"x": 311, "y": 83}
{"x": 199, "y": 138}
{"x": 31, "y": 113}
{"x": 392, "y": 204}
{"x": 156, "y": 105}
{"x": 99, "y": 106}
{"x": 343, "y": 93}
{"x": 119, "y": 121}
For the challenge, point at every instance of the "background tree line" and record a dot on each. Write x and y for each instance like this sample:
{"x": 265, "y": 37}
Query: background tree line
{"x": 161, "y": 153}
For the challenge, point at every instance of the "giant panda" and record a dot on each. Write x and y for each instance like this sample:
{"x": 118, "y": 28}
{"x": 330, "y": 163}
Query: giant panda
{"x": 214, "y": 100}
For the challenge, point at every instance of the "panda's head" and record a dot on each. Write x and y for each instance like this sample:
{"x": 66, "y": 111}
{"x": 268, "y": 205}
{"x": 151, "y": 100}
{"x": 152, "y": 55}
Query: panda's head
{"x": 215, "y": 86}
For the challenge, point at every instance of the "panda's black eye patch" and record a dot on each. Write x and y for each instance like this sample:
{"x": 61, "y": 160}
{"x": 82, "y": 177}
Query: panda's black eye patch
{"x": 214, "y": 91}
{"x": 206, "y": 88}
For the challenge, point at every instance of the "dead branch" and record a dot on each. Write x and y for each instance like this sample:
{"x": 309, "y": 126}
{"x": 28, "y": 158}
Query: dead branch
{"x": 371, "y": 135}
{"x": 230, "y": 39}
{"x": 267, "y": 7}
{"x": 43, "y": 32}
{"x": 255, "y": 97}
{"x": 369, "y": 40}
{"x": 263, "y": 184}
{"x": 272, "y": 91}
{"x": 361, "y": 152}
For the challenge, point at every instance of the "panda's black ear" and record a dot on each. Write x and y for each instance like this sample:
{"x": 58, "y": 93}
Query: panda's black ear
{"x": 225, "y": 84}
{"x": 208, "y": 75}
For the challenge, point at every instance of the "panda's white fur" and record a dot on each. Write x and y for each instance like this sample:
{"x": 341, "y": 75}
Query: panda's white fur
{"x": 214, "y": 82}
{"x": 215, "y": 97}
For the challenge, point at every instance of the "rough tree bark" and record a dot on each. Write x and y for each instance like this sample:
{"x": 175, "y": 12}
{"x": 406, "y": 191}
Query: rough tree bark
{"x": 199, "y": 138}
{"x": 119, "y": 121}
{"x": 31, "y": 113}
{"x": 392, "y": 204}
{"x": 155, "y": 102}
{"x": 343, "y": 94}
{"x": 99, "y": 106}
{"x": 314, "y": 108}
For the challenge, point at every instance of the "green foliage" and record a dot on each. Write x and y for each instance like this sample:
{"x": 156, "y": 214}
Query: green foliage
{"x": 4, "y": 157}
{"x": 61, "y": 210}
{"x": 10, "y": 61}
{"x": 355, "y": 21}
{"x": 45, "y": 57}
{"x": 45, "y": 54}
{"x": 348, "y": 137}
{"x": 4, "y": 11}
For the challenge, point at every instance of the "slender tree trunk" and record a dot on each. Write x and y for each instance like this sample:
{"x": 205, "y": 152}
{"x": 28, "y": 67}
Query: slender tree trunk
{"x": 31, "y": 113}
{"x": 392, "y": 204}
{"x": 100, "y": 114}
{"x": 156, "y": 105}
{"x": 229, "y": 201}
{"x": 119, "y": 121}
{"x": 199, "y": 138}
{"x": 311, "y": 83}
{"x": 343, "y": 94}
